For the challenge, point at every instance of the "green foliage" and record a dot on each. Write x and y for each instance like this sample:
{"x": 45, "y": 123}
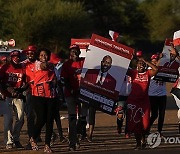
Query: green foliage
{"x": 163, "y": 16}
{"x": 121, "y": 16}
{"x": 144, "y": 24}
{"x": 46, "y": 23}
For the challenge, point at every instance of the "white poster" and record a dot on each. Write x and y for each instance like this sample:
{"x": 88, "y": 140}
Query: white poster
{"x": 103, "y": 72}
{"x": 168, "y": 66}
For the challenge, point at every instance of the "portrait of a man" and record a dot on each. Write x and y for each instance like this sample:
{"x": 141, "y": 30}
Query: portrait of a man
{"x": 101, "y": 77}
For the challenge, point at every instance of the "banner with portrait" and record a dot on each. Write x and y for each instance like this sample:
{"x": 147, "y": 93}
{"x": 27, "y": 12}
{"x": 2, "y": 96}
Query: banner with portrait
{"x": 168, "y": 66}
{"x": 83, "y": 45}
{"x": 103, "y": 72}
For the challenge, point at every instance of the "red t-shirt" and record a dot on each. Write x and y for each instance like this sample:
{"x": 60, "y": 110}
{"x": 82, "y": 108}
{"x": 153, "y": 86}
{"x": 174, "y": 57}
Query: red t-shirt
{"x": 71, "y": 71}
{"x": 11, "y": 76}
{"x": 43, "y": 81}
{"x": 140, "y": 84}
{"x": 29, "y": 69}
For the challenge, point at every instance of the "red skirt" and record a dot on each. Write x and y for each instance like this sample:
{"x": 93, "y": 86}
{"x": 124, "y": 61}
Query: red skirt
{"x": 137, "y": 116}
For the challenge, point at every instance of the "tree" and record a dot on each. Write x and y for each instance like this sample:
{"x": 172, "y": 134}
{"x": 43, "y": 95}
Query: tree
{"x": 122, "y": 16}
{"x": 163, "y": 18}
{"x": 46, "y": 23}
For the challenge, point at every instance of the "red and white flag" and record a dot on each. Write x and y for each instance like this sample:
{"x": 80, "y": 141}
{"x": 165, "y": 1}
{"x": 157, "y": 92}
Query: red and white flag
{"x": 176, "y": 38}
{"x": 114, "y": 35}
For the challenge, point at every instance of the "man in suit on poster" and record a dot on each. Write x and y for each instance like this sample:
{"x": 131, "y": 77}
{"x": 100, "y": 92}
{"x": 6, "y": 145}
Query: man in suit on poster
{"x": 101, "y": 77}
{"x": 99, "y": 81}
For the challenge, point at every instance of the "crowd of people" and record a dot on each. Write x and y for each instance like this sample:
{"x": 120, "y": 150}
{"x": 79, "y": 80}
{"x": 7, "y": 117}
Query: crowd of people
{"x": 33, "y": 87}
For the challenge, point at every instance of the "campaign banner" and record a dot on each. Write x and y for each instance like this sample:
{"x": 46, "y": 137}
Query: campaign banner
{"x": 103, "y": 73}
{"x": 83, "y": 45}
{"x": 168, "y": 66}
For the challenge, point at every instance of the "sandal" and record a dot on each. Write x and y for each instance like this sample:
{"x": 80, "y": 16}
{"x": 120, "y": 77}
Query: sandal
{"x": 33, "y": 144}
{"x": 47, "y": 149}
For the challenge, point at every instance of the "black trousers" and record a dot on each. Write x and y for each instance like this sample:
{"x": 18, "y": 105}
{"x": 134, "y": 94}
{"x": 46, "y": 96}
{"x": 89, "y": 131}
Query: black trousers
{"x": 29, "y": 114}
{"x": 57, "y": 118}
{"x": 158, "y": 107}
{"x": 45, "y": 112}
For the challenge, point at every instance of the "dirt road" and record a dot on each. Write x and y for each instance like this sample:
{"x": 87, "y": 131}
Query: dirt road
{"x": 106, "y": 138}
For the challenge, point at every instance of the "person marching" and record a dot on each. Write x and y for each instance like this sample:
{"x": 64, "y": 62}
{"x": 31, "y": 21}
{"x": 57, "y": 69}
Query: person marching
{"x": 28, "y": 64}
{"x": 54, "y": 59}
{"x": 138, "y": 105}
{"x": 12, "y": 78}
{"x": 157, "y": 96}
{"x": 175, "y": 91}
{"x": 43, "y": 98}
{"x": 70, "y": 78}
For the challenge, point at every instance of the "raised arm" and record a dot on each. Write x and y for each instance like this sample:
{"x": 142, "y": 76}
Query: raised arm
{"x": 154, "y": 69}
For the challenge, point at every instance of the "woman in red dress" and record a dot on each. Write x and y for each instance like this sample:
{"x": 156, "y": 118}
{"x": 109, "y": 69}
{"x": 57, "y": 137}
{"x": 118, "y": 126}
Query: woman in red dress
{"x": 138, "y": 106}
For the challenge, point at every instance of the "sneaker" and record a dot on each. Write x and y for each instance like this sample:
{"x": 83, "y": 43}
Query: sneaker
{"x": 33, "y": 144}
{"x": 89, "y": 139}
{"x": 9, "y": 146}
{"x": 18, "y": 144}
{"x": 77, "y": 146}
{"x": 47, "y": 149}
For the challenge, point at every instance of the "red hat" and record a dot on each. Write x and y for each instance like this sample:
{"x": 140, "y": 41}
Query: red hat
{"x": 139, "y": 53}
{"x": 155, "y": 56}
{"x": 74, "y": 46}
{"x": 15, "y": 53}
{"x": 30, "y": 48}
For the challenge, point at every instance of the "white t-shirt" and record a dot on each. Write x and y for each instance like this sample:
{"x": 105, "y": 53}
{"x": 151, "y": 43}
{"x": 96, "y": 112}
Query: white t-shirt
{"x": 157, "y": 88}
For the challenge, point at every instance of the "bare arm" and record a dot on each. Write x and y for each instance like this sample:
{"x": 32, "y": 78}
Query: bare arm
{"x": 154, "y": 69}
